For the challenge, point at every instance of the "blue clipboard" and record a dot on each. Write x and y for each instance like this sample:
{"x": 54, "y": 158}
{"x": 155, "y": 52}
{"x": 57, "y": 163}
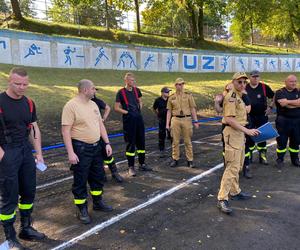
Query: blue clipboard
{"x": 267, "y": 132}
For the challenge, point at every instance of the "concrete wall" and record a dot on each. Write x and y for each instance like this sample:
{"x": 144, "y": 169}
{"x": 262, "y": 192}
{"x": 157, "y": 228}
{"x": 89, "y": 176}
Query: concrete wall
{"x": 23, "y": 48}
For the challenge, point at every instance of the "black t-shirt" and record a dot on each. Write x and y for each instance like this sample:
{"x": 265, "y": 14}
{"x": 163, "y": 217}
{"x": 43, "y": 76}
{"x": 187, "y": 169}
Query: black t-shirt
{"x": 17, "y": 117}
{"x": 133, "y": 103}
{"x": 160, "y": 104}
{"x": 258, "y": 99}
{"x": 101, "y": 104}
{"x": 283, "y": 93}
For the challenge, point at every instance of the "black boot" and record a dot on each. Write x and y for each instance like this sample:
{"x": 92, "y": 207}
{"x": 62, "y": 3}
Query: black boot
{"x": 118, "y": 178}
{"x": 10, "y": 235}
{"x": 27, "y": 232}
{"x": 145, "y": 167}
{"x": 83, "y": 214}
{"x": 246, "y": 172}
{"x": 99, "y": 204}
{"x": 173, "y": 163}
{"x": 296, "y": 162}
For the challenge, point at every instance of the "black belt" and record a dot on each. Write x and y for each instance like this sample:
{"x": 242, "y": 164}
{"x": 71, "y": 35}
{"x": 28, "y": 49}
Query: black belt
{"x": 182, "y": 116}
{"x": 77, "y": 142}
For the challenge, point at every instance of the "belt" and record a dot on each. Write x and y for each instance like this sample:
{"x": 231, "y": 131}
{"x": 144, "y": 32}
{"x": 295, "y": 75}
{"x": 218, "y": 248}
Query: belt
{"x": 182, "y": 116}
{"x": 77, "y": 142}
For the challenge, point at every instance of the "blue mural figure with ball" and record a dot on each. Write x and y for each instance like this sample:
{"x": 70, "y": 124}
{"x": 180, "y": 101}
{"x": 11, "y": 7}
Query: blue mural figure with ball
{"x": 3, "y": 43}
{"x": 68, "y": 52}
{"x": 287, "y": 64}
{"x": 100, "y": 56}
{"x": 272, "y": 63}
{"x": 170, "y": 61}
{"x": 149, "y": 60}
{"x": 33, "y": 50}
{"x": 241, "y": 61}
{"x": 257, "y": 63}
{"x": 123, "y": 58}
{"x": 224, "y": 63}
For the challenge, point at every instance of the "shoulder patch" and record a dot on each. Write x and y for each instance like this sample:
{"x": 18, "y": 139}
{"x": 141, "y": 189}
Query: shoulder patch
{"x": 233, "y": 95}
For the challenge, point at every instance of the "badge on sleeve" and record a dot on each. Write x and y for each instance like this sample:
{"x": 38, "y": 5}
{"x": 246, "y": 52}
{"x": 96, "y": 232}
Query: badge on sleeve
{"x": 232, "y": 97}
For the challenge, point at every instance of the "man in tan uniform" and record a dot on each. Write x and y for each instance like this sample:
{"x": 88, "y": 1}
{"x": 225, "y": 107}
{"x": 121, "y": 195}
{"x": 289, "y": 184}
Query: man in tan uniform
{"x": 234, "y": 119}
{"x": 181, "y": 108}
{"x": 82, "y": 128}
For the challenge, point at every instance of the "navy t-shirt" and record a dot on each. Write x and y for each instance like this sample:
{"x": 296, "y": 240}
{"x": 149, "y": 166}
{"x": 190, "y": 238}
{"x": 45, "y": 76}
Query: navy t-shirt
{"x": 17, "y": 117}
{"x": 258, "y": 99}
{"x": 100, "y": 103}
{"x": 160, "y": 104}
{"x": 133, "y": 103}
{"x": 283, "y": 93}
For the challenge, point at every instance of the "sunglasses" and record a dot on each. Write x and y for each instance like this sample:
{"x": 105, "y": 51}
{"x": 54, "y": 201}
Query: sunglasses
{"x": 242, "y": 82}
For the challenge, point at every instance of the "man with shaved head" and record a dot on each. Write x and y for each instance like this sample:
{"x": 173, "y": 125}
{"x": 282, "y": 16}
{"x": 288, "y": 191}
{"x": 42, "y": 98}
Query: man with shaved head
{"x": 288, "y": 121}
{"x": 82, "y": 129}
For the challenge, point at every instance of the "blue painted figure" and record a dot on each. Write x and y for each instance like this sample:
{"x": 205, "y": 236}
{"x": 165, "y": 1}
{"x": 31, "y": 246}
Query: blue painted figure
{"x": 298, "y": 65}
{"x": 287, "y": 64}
{"x": 124, "y": 56}
{"x": 149, "y": 59}
{"x": 257, "y": 63}
{"x": 3, "y": 44}
{"x": 242, "y": 64}
{"x": 272, "y": 63}
{"x": 100, "y": 55}
{"x": 33, "y": 50}
{"x": 170, "y": 61}
{"x": 224, "y": 63}
{"x": 67, "y": 52}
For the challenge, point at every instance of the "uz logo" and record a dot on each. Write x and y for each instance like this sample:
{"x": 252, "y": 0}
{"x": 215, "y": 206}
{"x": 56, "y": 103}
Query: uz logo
{"x": 207, "y": 62}
{"x": 188, "y": 65}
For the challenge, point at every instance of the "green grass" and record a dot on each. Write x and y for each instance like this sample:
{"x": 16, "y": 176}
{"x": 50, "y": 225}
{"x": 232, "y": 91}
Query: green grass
{"x": 117, "y": 36}
{"x": 52, "y": 88}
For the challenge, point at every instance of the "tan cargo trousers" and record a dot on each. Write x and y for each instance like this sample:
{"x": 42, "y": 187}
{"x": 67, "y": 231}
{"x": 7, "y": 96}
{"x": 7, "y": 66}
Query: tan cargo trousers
{"x": 184, "y": 127}
{"x": 233, "y": 162}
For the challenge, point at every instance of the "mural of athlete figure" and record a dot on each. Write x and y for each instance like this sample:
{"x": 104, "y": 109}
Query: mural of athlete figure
{"x": 33, "y": 50}
{"x": 170, "y": 62}
{"x": 100, "y": 56}
{"x": 224, "y": 64}
{"x": 149, "y": 60}
{"x": 68, "y": 52}
{"x": 3, "y": 44}
{"x": 124, "y": 56}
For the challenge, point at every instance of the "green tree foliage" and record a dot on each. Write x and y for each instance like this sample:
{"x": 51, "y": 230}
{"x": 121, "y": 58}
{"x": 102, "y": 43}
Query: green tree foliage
{"x": 3, "y": 7}
{"x": 86, "y": 13}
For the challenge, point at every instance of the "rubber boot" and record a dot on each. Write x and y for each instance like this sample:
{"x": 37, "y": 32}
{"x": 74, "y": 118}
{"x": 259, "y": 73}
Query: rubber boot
{"x": 10, "y": 235}
{"x": 83, "y": 214}
{"x": 27, "y": 232}
{"x": 246, "y": 172}
{"x": 99, "y": 204}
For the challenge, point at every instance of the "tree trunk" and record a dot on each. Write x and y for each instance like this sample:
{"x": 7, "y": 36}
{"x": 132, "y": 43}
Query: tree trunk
{"x": 252, "y": 32}
{"x": 200, "y": 22}
{"x": 106, "y": 15}
{"x": 16, "y": 9}
{"x": 192, "y": 21}
{"x": 137, "y": 12}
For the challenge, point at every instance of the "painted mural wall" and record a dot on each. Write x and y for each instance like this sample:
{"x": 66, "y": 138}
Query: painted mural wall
{"x": 21, "y": 48}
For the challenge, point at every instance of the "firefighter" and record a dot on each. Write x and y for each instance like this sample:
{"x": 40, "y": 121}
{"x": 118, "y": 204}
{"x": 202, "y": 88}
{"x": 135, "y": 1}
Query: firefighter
{"x": 234, "y": 120}
{"x": 288, "y": 121}
{"x": 17, "y": 164}
{"x": 160, "y": 108}
{"x": 82, "y": 128}
{"x": 181, "y": 108}
{"x": 259, "y": 93}
{"x": 129, "y": 104}
{"x": 109, "y": 160}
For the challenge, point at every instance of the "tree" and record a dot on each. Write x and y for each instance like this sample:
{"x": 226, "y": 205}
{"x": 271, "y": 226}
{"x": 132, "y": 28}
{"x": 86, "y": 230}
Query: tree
{"x": 16, "y": 10}
{"x": 3, "y": 7}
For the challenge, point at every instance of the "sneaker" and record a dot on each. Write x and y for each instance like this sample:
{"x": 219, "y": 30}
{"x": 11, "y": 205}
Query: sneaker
{"x": 241, "y": 196}
{"x": 174, "y": 164}
{"x": 223, "y": 205}
{"x": 145, "y": 167}
{"x": 131, "y": 172}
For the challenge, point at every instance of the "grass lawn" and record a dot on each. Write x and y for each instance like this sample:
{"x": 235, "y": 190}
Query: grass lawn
{"x": 52, "y": 88}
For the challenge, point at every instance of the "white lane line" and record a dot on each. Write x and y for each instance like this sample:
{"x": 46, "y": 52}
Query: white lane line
{"x": 49, "y": 184}
{"x": 151, "y": 201}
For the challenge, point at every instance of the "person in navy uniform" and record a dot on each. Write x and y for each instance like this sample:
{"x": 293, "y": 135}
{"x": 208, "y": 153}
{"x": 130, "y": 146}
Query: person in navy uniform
{"x": 288, "y": 121}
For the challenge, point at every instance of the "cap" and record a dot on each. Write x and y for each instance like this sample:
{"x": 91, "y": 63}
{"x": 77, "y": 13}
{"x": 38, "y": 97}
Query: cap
{"x": 179, "y": 80}
{"x": 165, "y": 90}
{"x": 239, "y": 75}
{"x": 254, "y": 73}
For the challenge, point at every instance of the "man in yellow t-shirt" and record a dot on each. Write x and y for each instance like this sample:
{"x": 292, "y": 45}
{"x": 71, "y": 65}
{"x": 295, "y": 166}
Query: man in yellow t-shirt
{"x": 82, "y": 128}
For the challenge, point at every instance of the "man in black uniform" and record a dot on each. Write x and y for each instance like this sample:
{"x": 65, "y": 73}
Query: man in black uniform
{"x": 288, "y": 121}
{"x": 129, "y": 104}
{"x": 17, "y": 164}
{"x": 160, "y": 108}
{"x": 109, "y": 160}
{"x": 259, "y": 93}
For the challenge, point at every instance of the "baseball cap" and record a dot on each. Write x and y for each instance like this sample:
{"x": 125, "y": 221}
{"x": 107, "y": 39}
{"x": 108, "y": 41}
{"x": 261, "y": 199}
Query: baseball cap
{"x": 239, "y": 75}
{"x": 179, "y": 80}
{"x": 165, "y": 90}
{"x": 254, "y": 73}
